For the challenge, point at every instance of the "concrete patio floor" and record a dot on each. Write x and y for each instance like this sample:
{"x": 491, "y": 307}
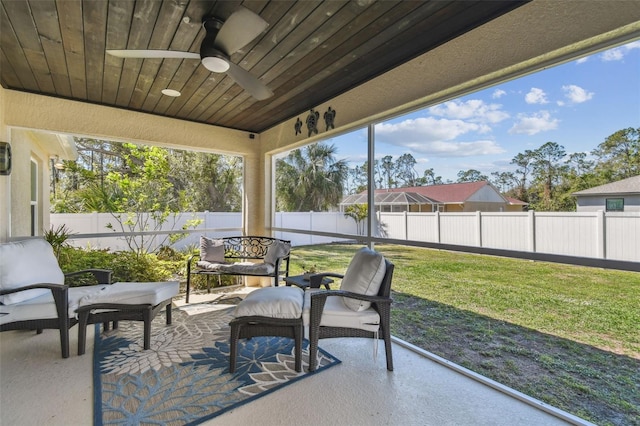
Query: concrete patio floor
{"x": 38, "y": 387}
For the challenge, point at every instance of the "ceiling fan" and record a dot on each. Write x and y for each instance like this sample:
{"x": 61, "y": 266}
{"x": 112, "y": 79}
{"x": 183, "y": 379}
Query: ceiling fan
{"x": 223, "y": 38}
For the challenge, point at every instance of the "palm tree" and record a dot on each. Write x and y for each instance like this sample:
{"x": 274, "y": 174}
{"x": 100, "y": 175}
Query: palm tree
{"x": 310, "y": 179}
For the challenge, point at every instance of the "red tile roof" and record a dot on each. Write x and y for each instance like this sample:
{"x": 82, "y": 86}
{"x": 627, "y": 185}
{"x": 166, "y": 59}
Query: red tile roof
{"x": 448, "y": 193}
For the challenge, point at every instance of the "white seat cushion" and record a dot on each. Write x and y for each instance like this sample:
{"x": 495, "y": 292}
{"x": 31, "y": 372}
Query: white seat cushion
{"x": 123, "y": 293}
{"x": 272, "y": 302}
{"x": 336, "y": 314}
{"x": 24, "y": 263}
{"x": 43, "y": 307}
{"x": 364, "y": 275}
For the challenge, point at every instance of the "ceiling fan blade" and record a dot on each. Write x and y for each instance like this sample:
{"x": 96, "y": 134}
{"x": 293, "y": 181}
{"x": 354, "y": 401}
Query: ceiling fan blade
{"x": 248, "y": 82}
{"x": 150, "y": 54}
{"x": 239, "y": 30}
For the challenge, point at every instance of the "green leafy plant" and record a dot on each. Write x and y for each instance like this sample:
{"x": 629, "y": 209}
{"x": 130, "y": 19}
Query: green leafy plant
{"x": 58, "y": 238}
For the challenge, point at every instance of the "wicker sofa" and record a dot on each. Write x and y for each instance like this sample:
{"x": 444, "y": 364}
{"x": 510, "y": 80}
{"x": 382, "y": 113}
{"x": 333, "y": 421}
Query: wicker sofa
{"x": 255, "y": 256}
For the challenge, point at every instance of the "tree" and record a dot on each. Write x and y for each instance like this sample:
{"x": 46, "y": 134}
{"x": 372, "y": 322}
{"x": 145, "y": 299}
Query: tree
{"x": 359, "y": 213}
{"x": 213, "y": 181}
{"x": 524, "y": 163}
{"x": 130, "y": 182}
{"x": 310, "y": 179}
{"x": 141, "y": 198}
{"x": 387, "y": 172}
{"x": 405, "y": 171}
{"x": 619, "y": 155}
{"x": 548, "y": 169}
{"x": 429, "y": 178}
{"x": 358, "y": 177}
{"x": 471, "y": 175}
{"x": 504, "y": 181}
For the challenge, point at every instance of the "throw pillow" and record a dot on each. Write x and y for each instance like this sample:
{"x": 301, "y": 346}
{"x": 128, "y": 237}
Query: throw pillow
{"x": 24, "y": 263}
{"x": 277, "y": 250}
{"x": 211, "y": 250}
{"x": 364, "y": 276}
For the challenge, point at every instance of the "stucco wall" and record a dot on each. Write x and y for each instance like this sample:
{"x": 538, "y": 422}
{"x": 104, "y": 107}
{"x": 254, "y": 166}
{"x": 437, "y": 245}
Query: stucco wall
{"x": 24, "y": 150}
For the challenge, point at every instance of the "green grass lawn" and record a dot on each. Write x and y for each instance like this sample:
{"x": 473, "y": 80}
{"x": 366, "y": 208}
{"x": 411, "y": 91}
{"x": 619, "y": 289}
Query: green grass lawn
{"x": 567, "y": 335}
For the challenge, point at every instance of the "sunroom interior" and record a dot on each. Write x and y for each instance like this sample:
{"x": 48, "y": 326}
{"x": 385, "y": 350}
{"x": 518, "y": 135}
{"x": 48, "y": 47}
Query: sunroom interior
{"x": 509, "y": 42}
{"x": 547, "y": 33}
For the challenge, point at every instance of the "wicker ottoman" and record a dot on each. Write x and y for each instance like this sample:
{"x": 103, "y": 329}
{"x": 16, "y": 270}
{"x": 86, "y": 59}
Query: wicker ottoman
{"x": 269, "y": 311}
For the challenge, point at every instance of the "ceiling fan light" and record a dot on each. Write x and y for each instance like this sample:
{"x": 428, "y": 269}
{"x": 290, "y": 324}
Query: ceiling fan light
{"x": 215, "y": 64}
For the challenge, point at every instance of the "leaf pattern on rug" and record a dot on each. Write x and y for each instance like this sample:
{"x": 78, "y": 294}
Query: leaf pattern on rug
{"x": 281, "y": 371}
{"x": 169, "y": 345}
{"x": 184, "y": 377}
{"x": 167, "y": 395}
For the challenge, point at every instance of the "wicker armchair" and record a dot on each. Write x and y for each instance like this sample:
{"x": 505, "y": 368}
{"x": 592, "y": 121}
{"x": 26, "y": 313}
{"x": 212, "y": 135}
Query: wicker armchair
{"x": 33, "y": 295}
{"x": 328, "y": 317}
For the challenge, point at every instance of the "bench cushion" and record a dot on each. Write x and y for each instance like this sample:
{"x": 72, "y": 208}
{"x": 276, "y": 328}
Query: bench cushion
{"x": 239, "y": 268}
{"x": 24, "y": 263}
{"x": 272, "y": 302}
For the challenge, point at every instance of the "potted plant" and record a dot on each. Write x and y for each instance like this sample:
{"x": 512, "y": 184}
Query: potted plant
{"x": 309, "y": 271}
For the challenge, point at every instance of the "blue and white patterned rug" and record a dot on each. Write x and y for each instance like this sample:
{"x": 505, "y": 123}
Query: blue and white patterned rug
{"x": 184, "y": 378}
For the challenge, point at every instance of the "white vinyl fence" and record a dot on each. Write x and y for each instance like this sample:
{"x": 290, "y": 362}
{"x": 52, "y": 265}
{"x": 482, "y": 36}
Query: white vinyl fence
{"x": 614, "y": 236}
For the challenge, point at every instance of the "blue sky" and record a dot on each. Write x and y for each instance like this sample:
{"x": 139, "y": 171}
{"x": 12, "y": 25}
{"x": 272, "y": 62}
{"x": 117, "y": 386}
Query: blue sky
{"x": 577, "y": 105}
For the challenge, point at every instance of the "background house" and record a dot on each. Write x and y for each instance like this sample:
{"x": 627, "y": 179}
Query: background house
{"x": 620, "y": 196}
{"x": 454, "y": 197}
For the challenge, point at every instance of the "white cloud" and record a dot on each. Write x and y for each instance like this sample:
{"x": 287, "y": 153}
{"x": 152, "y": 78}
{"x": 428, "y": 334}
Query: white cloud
{"x": 534, "y": 123}
{"x": 435, "y": 137}
{"x": 582, "y": 60}
{"x": 618, "y": 53}
{"x": 474, "y": 110}
{"x": 576, "y": 94}
{"x": 457, "y": 149}
{"x": 498, "y": 93}
{"x": 536, "y": 96}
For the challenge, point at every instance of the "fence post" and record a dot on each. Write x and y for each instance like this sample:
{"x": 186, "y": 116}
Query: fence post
{"x": 406, "y": 226}
{"x": 532, "y": 231}
{"x": 602, "y": 234}
{"x": 437, "y": 224}
{"x": 478, "y": 228}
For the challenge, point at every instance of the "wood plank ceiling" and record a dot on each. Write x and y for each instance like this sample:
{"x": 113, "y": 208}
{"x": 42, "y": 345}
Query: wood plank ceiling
{"x": 312, "y": 51}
